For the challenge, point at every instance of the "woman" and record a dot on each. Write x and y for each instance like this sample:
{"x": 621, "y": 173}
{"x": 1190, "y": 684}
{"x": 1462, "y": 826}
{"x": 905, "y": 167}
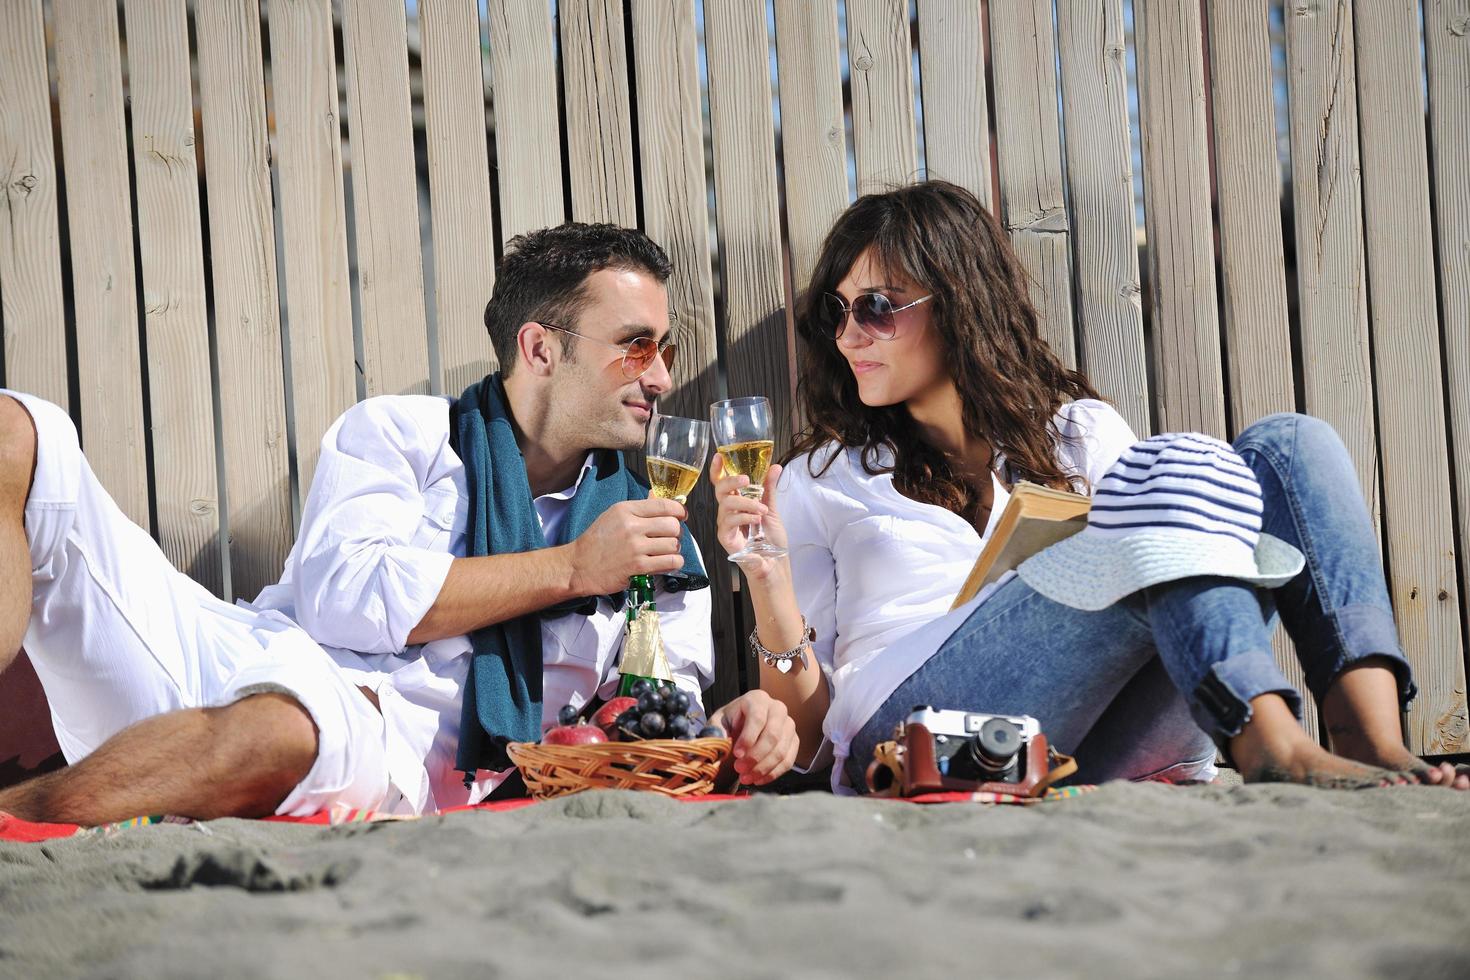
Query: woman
{"x": 1140, "y": 644}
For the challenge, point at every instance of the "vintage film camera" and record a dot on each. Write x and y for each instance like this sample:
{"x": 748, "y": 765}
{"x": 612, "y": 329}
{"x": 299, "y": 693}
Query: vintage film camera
{"x": 938, "y": 751}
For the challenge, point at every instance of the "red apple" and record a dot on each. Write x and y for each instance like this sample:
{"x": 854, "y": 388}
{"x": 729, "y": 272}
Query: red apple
{"x": 607, "y": 715}
{"x": 574, "y": 735}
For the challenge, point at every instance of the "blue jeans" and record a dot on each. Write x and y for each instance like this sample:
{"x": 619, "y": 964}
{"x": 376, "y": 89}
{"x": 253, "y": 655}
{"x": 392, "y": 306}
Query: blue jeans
{"x": 1151, "y": 684}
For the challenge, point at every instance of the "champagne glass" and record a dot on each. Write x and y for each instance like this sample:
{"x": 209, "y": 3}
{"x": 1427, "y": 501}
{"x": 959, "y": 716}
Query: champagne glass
{"x": 743, "y": 436}
{"x": 676, "y": 450}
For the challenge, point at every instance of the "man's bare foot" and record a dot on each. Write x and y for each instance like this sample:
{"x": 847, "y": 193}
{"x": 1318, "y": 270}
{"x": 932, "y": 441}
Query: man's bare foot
{"x": 1272, "y": 748}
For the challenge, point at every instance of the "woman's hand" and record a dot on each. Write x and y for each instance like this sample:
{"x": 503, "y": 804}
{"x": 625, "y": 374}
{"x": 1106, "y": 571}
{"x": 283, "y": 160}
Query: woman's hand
{"x": 763, "y": 736}
{"x": 737, "y": 514}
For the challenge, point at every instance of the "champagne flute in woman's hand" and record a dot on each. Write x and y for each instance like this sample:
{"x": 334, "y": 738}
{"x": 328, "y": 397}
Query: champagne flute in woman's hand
{"x": 742, "y": 429}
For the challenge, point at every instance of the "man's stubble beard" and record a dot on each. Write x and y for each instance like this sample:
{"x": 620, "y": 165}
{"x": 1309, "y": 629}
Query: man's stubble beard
{"x": 602, "y": 424}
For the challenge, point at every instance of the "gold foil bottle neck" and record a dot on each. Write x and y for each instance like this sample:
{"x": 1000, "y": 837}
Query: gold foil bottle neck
{"x": 643, "y": 648}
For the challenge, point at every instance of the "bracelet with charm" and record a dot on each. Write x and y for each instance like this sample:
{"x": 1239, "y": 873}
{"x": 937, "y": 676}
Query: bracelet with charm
{"x": 784, "y": 660}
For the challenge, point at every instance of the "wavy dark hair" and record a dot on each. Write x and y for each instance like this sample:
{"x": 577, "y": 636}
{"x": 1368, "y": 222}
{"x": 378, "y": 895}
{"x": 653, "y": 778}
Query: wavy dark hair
{"x": 1010, "y": 383}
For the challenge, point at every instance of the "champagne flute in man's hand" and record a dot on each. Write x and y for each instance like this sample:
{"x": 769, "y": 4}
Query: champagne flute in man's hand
{"x": 676, "y": 449}
{"x": 742, "y": 428}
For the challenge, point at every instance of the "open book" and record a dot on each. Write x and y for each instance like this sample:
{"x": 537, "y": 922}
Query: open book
{"x": 1035, "y": 518}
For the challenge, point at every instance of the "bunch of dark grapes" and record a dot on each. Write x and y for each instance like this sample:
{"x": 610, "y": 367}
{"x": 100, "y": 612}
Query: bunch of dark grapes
{"x": 663, "y": 711}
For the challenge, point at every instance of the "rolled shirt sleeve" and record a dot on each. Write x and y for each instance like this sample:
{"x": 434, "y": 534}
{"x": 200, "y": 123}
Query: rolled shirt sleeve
{"x": 360, "y": 574}
{"x": 1094, "y": 436}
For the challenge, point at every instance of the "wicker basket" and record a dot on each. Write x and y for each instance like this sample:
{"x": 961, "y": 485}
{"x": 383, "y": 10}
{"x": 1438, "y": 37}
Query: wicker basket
{"x": 660, "y": 765}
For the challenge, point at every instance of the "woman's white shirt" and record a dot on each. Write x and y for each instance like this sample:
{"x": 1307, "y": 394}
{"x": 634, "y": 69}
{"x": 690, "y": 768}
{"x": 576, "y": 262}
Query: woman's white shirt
{"x": 872, "y": 567}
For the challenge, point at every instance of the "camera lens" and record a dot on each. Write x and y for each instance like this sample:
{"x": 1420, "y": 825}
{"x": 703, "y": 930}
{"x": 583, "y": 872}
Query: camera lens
{"x": 994, "y": 747}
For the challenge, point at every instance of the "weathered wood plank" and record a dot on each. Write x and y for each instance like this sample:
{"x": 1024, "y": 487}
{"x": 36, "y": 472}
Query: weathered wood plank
{"x": 1405, "y": 325}
{"x": 94, "y": 148}
{"x": 1252, "y": 262}
{"x": 171, "y": 250}
{"x": 1327, "y": 194}
{"x": 459, "y": 182}
{"x": 527, "y": 131}
{"x": 33, "y": 312}
{"x": 1029, "y": 152}
{"x": 599, "y": 117}
{"x": 757, "y": 343}
{"x": 243, "y": 267}
{"x": 1257, "y": 332}
{"x": 956, "y": 112}
{"x": 671, "y": 163}
{"x": 1447, "y": 53}
{"x": 313, "y": 223}
{"x": 1090, "y": 39}
{"x": 813, "y": 137}
{"x": 759, "y": 349}
{"x": 1176, "y": 182}
{"x": 395, "y": 337}
{"x": 881, "y": 78}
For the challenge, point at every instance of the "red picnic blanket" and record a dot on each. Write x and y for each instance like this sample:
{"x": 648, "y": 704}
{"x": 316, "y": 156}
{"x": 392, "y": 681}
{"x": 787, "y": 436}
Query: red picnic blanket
{"x": 17, "y": 830}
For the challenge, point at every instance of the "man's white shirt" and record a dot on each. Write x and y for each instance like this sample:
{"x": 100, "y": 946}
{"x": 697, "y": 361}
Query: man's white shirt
{"x": 385, "y": 519}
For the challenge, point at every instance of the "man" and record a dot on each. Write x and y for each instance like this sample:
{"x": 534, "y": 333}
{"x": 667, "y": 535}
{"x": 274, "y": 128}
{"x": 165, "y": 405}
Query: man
{"x": 168, "y": 700}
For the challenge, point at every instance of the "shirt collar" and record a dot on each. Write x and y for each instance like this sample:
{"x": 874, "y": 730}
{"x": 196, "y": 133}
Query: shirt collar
{"x": 569, "y": 492}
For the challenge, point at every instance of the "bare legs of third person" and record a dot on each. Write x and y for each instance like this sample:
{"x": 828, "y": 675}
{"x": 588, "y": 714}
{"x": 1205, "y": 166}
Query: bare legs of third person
{"x": 17, "y": 464}
{"x": 239, "y": 760}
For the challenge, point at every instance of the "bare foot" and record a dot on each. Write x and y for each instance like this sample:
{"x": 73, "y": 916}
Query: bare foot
{"x": 1396, "y": 757}
{"x": 1272, "y": 748}
{"x": 1311, "y": 765}
{"x": 1361, "y": 710}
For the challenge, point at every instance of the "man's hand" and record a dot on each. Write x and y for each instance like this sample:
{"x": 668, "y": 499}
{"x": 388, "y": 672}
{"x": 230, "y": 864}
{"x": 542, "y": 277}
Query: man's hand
{"x": 764, "y": 736}
{"x": 635, "y": 537}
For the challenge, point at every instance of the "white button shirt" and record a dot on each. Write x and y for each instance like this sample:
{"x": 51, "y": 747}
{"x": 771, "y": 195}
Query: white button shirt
{"x": 385, "y": 518}
{"x": 872, "y": 567}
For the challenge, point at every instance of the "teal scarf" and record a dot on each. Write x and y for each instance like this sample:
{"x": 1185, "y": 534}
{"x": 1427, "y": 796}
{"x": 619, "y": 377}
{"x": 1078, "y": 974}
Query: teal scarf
{"x": 502, "y": 697}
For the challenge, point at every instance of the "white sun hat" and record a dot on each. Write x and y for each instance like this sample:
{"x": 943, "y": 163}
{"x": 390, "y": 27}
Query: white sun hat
{"x": 1174, "y": 506}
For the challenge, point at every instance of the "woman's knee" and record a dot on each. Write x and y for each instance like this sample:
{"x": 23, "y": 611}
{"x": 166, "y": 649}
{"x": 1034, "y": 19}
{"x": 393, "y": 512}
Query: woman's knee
{"x": 1289, "y": 430}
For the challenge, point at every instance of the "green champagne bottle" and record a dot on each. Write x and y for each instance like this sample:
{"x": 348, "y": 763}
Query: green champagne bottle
{"x": 643, "y": 645}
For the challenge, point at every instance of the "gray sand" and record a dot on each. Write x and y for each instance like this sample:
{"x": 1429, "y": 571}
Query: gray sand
{"x": 1133, "y": 880}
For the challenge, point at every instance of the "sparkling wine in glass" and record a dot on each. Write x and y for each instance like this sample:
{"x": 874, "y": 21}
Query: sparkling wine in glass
{"x": 742, "y": 428}
{"x": 676, "y": 450}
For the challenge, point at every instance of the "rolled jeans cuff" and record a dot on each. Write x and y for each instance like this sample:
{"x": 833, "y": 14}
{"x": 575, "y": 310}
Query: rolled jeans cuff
{"x": 1221, "y": 704}
{"x": 1362, "y": 631}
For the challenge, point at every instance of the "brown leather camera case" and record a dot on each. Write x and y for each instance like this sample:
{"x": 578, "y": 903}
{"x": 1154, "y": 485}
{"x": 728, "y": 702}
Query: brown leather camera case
{"x": 921, "y": 773}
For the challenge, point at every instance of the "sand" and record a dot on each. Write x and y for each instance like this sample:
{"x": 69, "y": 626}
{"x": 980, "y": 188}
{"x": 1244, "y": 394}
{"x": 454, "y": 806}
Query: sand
{"x": 1133, "y": 880}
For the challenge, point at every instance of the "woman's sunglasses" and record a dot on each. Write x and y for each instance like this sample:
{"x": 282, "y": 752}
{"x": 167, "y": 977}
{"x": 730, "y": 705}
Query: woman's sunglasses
{"x": 638, "y": 354}
{"x": 873, "y": 312}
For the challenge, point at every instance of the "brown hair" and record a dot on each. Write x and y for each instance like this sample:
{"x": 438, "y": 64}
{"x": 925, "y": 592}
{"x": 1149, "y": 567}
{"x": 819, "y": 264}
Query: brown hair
{"x": 1010, "y": 383}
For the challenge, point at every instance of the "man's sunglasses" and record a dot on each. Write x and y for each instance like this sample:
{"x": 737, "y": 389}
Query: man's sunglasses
{"x": 638, "y": 353}
{"x": 873, "y": 312}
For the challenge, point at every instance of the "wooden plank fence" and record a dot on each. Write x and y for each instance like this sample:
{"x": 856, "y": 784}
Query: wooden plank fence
{"x": 1325, "y": 269}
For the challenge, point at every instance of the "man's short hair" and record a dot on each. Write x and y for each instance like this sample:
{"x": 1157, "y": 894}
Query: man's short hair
{"x": 543, "y": 277}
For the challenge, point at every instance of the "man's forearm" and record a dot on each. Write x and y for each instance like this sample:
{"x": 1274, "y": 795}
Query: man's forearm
{"x": 479, "y": 592}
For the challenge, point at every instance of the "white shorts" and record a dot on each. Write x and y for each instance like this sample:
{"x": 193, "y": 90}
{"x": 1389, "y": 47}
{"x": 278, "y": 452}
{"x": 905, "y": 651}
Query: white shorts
{"x": 118, "y": 635}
